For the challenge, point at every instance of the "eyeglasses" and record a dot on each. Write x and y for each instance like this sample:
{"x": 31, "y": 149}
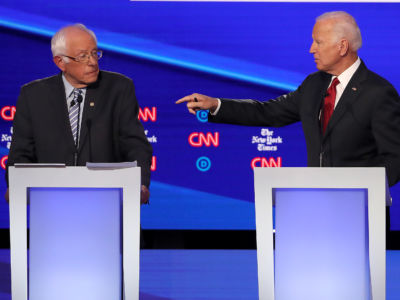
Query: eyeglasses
{"x": 85, "y": 57}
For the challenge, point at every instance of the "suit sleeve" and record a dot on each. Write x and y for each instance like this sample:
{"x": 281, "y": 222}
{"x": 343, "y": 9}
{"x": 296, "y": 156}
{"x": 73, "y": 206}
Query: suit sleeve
{"x": 277, "y": 112}
{"x": 22, "y": 148}
{"x": 132, "y": 139}
{"x": 386, "y": 131}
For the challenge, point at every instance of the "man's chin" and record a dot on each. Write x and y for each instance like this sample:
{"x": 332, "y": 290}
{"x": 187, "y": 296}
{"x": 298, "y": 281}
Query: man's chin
{"x": 92, "y": 78}
{"x": 318, "y": 66}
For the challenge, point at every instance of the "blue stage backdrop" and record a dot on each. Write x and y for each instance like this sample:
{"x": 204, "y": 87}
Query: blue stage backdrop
{"x": 202, "y": 173}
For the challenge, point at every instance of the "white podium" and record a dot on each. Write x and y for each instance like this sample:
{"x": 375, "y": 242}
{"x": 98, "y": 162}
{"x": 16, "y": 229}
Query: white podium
{"x": 329, "y": 233}
{"x": 84, "y": 233}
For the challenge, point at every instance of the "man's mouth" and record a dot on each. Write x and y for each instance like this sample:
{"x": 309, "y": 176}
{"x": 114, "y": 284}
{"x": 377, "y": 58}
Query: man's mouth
{"x": 91, "y": 72}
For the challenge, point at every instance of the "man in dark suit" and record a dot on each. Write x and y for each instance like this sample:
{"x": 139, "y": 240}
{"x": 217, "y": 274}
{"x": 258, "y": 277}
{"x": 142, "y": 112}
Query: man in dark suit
{"x": 350, "y": 115}
{"x": 80, "y": 115}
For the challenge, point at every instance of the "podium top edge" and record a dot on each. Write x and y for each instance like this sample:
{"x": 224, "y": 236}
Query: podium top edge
{"x": 34, "y": 165}
{"x": 319, "y": 168}
{"x": 89, "y": 165}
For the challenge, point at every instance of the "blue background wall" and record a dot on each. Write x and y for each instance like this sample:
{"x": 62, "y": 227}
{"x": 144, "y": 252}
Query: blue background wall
{"x": 170, "y": 49}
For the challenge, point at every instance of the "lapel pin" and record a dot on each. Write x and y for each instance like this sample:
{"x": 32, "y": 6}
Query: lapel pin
{"x": 91, "y": 104}
{"x": 354, "y": 88}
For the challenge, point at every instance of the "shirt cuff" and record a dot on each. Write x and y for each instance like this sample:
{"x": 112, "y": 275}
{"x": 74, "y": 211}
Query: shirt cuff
{"x": 214, "y": 113}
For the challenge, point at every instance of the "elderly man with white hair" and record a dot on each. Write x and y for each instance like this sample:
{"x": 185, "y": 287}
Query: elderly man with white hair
{"x": 350, "y": 115}
{"x": 80, "y": 115}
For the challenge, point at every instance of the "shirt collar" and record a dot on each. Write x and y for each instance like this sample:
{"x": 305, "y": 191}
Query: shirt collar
{"x": 69, "y": 88}
{"x": 345, "y": 77}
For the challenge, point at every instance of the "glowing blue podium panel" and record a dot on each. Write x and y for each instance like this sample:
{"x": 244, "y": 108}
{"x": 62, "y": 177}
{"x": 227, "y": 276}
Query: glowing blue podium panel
{"x": 330, "y": 233}
{"x": 75, "y": 244}
{"x": 323, "y": 235}
{"x": 85, "y": 232}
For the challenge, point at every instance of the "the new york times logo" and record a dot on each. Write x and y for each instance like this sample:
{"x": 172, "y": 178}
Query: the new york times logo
{"x": 267, "y": 141}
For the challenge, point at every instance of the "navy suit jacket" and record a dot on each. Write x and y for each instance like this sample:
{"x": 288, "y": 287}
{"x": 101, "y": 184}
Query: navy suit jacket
{"x": 110, "y": 131}
{"x": 364, "y": 130}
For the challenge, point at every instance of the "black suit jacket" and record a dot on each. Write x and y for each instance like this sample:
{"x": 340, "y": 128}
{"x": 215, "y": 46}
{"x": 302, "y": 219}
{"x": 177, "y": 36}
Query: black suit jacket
{"x": 110, "y": 131}
{"x": 364, "y": 130}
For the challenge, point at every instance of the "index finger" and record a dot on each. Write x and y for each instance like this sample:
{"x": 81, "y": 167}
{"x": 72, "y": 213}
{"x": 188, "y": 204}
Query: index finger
{"x": 185, "y": 99}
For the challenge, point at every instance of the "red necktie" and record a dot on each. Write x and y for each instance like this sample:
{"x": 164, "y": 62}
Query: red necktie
{"x": 329, "y": 103}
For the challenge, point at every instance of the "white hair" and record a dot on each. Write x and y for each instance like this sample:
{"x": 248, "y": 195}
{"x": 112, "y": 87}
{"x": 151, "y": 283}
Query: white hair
{"x": 345, "y": 26}
{"x": 58, "y": 41}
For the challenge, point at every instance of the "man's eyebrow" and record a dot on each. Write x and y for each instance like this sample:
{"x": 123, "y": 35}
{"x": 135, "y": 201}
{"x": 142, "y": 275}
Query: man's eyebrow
{"x": 84, "y": 50}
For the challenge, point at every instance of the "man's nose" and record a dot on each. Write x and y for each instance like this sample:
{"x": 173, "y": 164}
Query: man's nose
{"x": 92, "y": 60}
{"x": 312, "y": 48}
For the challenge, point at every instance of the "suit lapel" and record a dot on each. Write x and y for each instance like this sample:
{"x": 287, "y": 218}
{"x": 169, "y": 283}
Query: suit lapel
{"x": 320, "y": 96}
{"x": 91, "y": 97}
{"x": 349, "y": 96}
{"x": 316, "y": 105}
{"x": 60, "y": 109}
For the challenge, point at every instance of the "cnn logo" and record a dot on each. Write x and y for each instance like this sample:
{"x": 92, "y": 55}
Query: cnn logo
{"x": 199, "y": 139}
{"x": 153, "y": 163}
{"x": 8, "y": 113}
{"x": 264, "y": 162}
{"x": 147, "y": 114}
{"x": 3, "y": 162}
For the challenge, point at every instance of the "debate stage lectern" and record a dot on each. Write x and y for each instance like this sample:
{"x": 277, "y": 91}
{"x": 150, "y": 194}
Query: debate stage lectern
{"x": 84, "y": 232}
{"x": 329, "y": 233}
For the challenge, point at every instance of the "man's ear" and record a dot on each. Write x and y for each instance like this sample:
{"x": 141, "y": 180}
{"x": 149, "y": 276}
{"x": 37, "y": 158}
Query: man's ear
{"x": 60, "y": 63}
{"x": 344, "y": 47}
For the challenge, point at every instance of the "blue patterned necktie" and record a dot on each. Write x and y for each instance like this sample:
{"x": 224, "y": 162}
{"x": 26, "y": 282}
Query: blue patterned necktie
{"x": 74, "y": 114}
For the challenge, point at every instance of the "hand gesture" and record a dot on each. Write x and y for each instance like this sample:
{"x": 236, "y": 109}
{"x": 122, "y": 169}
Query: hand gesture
{"x": 197, "y": 102}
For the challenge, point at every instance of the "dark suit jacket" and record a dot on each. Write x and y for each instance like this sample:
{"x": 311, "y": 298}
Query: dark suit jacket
{"x": 364, "y": 130}
{"x": 42, "y": 132}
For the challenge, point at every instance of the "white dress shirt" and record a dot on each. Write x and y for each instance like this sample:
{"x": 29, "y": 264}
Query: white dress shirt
{"x": 344, "y": 79}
